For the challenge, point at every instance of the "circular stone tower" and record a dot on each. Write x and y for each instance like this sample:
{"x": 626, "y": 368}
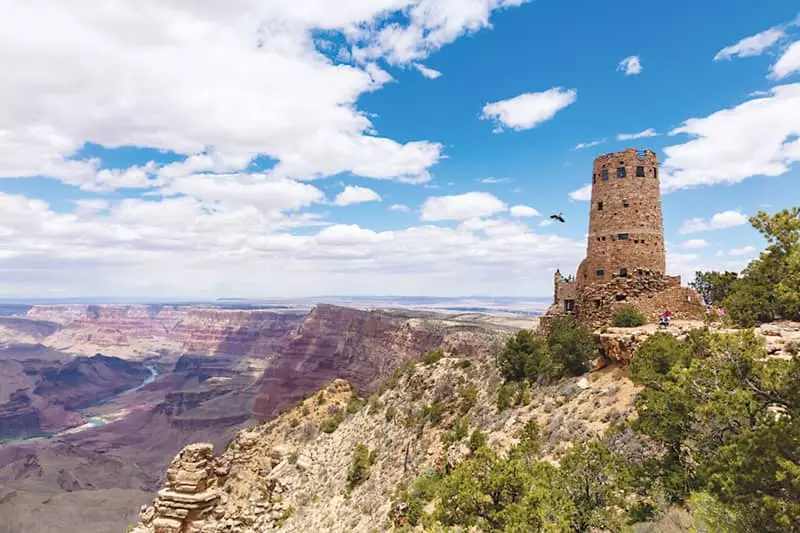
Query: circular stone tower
{"x": 626, "y": 231}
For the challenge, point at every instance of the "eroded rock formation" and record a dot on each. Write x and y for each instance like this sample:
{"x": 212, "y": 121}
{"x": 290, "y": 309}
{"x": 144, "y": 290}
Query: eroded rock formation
{"x": 190, "y": 492}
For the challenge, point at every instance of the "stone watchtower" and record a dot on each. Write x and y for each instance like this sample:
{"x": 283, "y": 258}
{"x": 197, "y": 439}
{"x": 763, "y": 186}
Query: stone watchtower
{"x": 625, "y": 262}
{"x": 626, "y": 231}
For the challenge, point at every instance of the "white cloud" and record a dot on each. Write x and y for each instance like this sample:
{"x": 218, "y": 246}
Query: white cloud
{"x": 754, "y": 45}
{"x": 528, "y": 110}
{"x": 788, "y": 64}
{"x": 244, "y": 79}
{"x": 758, "y": 137}
{"x": 429, "y": 73}
{"x": 589, "y": 144}
{"x": 746, "y": 250}
{"x": 649, "y": 132}
{"x": 211, "y": 251}
{"x": 402, "y": 208}
{"x": 695, "y": 244}
{"x": 631, "y": 66}
{"x": 722, "y": 220}
{"x": 461, "y": 206}
{"x": 524, "y": 211}
{"x": 546, "y": 222}
{"x": 353, "y": 194}
{"x": 422, "y": 28}
{"x": 492, "y": 181}
{"x": 584, "y": 194}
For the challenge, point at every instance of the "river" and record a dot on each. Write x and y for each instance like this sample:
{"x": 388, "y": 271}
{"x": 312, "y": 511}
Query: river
{"x": 89, "y": 420}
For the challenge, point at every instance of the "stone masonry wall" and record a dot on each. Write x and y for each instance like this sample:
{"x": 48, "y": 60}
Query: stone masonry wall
{"x": 650, "y": 293}
{"x": 625, "y": 222}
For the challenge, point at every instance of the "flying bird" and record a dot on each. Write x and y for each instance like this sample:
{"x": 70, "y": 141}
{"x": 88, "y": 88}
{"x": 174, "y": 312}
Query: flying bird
{"x": 559, "y": 217}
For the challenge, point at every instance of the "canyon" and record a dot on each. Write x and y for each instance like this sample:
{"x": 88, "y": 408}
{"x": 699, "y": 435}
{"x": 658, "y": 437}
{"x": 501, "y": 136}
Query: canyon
{"x": 95, "y": 400}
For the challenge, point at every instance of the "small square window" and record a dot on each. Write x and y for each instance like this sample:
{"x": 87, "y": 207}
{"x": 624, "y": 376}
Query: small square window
{"x": 599, "y": 206}
{"x": 621, "y": 297}
{"x": 639, "y": 172}
{"x": 635, "y": 241}
{"x": 600, "y": 273}
{"x": 655, "y": 172}
{"x": 621, "y": 172}
{"x": 604, "y": 174}
{"x": 625, "y": 203}
{"x": 623, "y": 272}
{"x": 622, "y": 236}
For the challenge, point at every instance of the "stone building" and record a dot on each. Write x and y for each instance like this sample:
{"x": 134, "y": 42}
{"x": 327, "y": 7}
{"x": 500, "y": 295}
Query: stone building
{"x": 625, "y": 262}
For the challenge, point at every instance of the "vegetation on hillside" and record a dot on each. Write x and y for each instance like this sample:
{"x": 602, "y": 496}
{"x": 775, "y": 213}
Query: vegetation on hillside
{"x": 567, "y": 351}
{"x": 718, "y": 420}
{"x": 769, "y": 288}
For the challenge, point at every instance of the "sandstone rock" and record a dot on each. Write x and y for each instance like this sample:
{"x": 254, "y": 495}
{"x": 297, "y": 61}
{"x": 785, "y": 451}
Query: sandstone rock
{"x": 770, "y": 330}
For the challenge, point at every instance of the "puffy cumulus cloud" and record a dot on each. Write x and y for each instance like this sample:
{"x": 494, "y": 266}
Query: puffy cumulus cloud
{"x": 722, "y": 220}
{"x": 649, "y": 132}
{"x": 757, "y": 137}
{"x": 213, "y": 251}
{"x": 353, "y": 194}
{"x": 584, "y": 194}
{"x": 528, "y": 110}
{"x": 695, "y": 244}
{"x": 423, "y": 27}
{"x": 429, "y": 73}
{"x": 631, "y": 66}
{"x": 753, "y": 45}
{"x": 590, "y": 144}
{"x": 521, "y": 211}
{"x": 461, "y": 206}
{"x": 788, "y": 64}
{"x": 402, "y": 208}
{"x": 245, "y": 78}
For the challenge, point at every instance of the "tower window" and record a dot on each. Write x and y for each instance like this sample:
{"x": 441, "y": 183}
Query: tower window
{"x": 622, "y": 236}
{"x": 623, "y": 272}
{"x": 604, "y": 175}
{"x": 600, "y": 273}
{"x": 594, "y": 178}
{"x": 599, "y": 206}
{"x": 655, "y": 172}
{"x": 621, "y": 297}
{"x": 625, "y": 203}
{"x": 620, "y": 172}
{"x": 639, "y": 172}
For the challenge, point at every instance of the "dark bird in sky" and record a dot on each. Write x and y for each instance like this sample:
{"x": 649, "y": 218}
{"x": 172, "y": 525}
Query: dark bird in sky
{"x": 559, "y": 217}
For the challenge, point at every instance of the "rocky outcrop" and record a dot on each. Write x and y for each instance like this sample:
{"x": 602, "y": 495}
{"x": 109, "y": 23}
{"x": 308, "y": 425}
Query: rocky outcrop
{"x": 136, "y": 331}
{"x": 362, "y": 347}
{"x": 189, "y": 495}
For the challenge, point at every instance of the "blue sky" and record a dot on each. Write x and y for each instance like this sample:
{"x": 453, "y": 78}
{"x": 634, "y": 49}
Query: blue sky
{"x": 408, "y": 147}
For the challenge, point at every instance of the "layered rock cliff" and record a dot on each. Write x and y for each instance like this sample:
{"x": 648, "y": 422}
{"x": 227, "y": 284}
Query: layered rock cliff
{"x": 137, "y": 331}
{"x": 362, "y": 347}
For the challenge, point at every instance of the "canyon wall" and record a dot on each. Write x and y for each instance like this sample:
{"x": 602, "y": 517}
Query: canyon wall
{"x": 140, "y": 331}
{"x": 362, "y": 347}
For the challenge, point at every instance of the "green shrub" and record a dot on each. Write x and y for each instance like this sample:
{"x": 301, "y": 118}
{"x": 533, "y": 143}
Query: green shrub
{"x": 432, "y": 357}
{"x": 292, "y": 458}
{"x": 573, "y": 347}
{"x": 293, "y": 422}
{"x": 656, "y": 356}
{"x": 460, "y": 430}
{"x": 628, "y": 317}
{"x": 525, "y": 356}
{"x": 354, "y": 403}
{"x": 433, "y": 413}
{"x": 469, "y": 398}
{"x": 286, "y": 515}
{"x": 476, "y": 441}
{"x": 363, "y": 459}
{"x": 331, "y": 424}
{"x": 464, "y": 364}
{"x": 390, "y": 413}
